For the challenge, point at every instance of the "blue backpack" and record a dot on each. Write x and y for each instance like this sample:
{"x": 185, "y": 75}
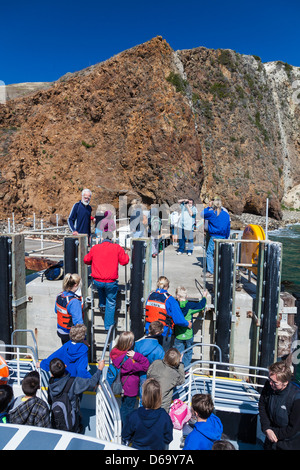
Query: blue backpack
{"x": 113, "y": 377}
{"x": 55, "y": 272}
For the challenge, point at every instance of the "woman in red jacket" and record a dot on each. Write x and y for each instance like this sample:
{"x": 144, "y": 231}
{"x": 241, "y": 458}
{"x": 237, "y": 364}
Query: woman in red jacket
{"x": 130, "y": 369}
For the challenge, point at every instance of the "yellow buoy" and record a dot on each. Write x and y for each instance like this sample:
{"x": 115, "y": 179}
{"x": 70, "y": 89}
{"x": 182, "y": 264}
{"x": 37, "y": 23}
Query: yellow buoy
{"x": 249, "y": 251}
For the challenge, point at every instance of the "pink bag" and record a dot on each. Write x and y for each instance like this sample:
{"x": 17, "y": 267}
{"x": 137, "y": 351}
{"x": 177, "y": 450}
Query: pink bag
{"x": 179, "y": 413}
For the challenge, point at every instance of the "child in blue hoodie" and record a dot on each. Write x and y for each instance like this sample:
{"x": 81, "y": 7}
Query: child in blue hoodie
{"x": 208, "y": 427}
{"x": 150, "y": 347}
{"x": 74, "y": 354}
{"x": 149, "y": 427}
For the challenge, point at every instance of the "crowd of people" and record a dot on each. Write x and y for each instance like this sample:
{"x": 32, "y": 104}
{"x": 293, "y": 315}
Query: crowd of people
{"x": 153, "y": 377}
{"x": 148, "y": 223}
{"x": 151, "y": 367}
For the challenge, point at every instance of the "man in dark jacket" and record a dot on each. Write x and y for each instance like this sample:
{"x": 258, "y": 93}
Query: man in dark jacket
{"x": 80, "y": 217}
{"x": 279, "y": 409}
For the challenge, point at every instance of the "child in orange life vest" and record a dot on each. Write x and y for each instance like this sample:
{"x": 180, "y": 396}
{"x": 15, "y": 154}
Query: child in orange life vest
{"x": 161, "y": 306}
{"x": 130, "y": 377}
{"x": 68, "y": 306}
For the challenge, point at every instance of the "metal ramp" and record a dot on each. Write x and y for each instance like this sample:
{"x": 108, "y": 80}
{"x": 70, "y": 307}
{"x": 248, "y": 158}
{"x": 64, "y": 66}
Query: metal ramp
{"x": 98, "y": 333}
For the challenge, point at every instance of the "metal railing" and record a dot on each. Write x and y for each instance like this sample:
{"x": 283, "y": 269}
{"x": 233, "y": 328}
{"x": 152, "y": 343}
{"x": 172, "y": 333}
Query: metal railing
{"x": 203, "y": 345}
{"x": 233, "y": 387}
{"x": 20, "y": 359}
{"x": 108, "y": 418}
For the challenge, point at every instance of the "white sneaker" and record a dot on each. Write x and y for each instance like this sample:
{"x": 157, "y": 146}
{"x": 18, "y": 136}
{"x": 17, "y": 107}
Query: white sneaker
{"x": 179, "y": 253}
{"x": 189, "y": 254}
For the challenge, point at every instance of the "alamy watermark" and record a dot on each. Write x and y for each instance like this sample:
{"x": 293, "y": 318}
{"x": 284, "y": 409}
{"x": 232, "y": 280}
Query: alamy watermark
{"x": 160, "y": 217}
{"x": 296, "y": 352}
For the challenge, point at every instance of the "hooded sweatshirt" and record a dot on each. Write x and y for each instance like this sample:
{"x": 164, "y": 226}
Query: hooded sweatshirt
{"x": 148, "y": 429}
{"x": 204, "y": 434}
{"x": 79, "y": 385}
{"x": 130, "y": 370}
{"x": 74, "y": 356}
{"x": 150, "y": 348}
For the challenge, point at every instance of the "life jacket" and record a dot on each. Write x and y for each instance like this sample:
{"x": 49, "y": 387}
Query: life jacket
{"x": 4, "y": 371}
{"x": 64, "y": 319}
{"x": 156, "y": 309}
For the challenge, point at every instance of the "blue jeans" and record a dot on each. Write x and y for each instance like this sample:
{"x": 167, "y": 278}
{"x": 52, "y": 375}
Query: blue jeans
{"x": 186, "y": 236}
{"x": 181, "y": 345}
{"x": 107, "y": 292}
{"x": 127, "y": 407}
{"x": 210, "y": 256}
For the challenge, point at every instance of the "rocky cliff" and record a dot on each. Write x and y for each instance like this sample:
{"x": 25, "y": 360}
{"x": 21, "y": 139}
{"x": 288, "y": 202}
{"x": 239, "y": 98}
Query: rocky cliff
{"x": 159, "y": 124}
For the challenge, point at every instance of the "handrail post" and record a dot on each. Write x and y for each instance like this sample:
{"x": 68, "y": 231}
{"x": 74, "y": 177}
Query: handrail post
{"x": 213, "y": 390}
{"x": 42, "y": 236}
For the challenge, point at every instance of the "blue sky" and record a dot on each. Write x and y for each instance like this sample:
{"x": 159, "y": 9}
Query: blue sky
{"x": 41, "y": 41}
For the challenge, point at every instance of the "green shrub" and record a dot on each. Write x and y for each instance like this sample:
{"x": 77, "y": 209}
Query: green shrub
{"x": 220, "y": 90}
{"x": 86, "y": 145}
{"x": 225, "y": 58}
{"x": 179, "y": 83}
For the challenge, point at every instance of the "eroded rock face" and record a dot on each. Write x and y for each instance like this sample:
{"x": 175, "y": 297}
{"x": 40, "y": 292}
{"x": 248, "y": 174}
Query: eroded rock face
{"x": 292, "y": 198}
{"x": 155, "y": 123}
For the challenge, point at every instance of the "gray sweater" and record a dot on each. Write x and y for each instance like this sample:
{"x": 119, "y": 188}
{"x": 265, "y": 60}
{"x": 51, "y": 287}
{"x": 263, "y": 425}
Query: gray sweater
{"x": 168, "y": 377}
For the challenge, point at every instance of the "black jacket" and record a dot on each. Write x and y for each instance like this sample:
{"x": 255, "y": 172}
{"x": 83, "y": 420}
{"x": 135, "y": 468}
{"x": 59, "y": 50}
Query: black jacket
{"x": 280, "y": 411}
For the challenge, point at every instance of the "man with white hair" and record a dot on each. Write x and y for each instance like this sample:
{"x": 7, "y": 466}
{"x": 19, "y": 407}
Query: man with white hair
{"x": 80, "y": 217}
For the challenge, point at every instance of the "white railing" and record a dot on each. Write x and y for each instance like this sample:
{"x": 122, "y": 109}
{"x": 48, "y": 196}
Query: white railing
{"x": 108, "y": 418}
{"x": 203, "y": 345}
{"x": 20, "y": 359}
{"x": 233, "y": 387}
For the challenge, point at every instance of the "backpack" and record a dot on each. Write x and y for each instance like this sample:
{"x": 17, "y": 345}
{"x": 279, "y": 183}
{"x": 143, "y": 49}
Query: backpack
{"x": 179, "y": 414}
{"x": 114, "y": 378}
{"x": 62, "y": 415}
{"x": 54, "y": 273}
